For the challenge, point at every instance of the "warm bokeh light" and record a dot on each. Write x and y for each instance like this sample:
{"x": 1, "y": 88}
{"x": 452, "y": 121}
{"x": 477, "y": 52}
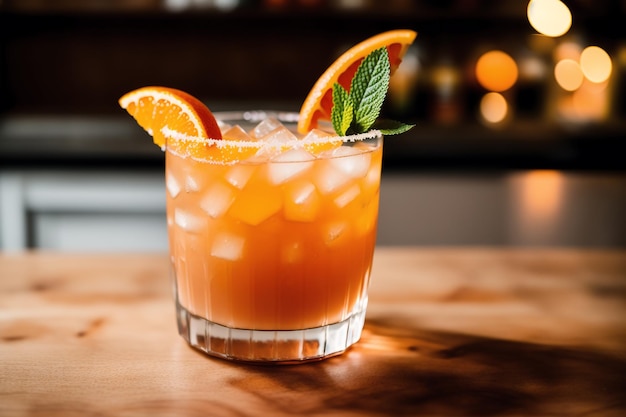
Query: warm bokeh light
{"x": 596, "y": 64}
{"x": 541, "y": 194}
{"x": 549, "y": 17}
{"x": 567, "y": 50}
{"x": 493, "y": 107}
{"x": 568, "y": 74}
{"x": 496, "y": 71}
{"x": 590, "y": 103}
{"x": 537, "y": 201}
{"x": 621, "y": 56}
{"x": 532, "y": 68}
{"x": 445, "y": 78}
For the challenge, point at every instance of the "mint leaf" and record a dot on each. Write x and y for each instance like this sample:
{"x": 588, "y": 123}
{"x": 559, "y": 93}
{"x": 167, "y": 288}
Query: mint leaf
{"x": 358, "y": 110}
{"x": 368, "y": 89}
{"x": 391, "y": 127}
{"x": 342, "y": 112}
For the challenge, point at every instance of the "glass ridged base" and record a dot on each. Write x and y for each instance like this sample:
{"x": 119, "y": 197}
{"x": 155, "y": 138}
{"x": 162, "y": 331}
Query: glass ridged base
{"x": 270, "y": 346}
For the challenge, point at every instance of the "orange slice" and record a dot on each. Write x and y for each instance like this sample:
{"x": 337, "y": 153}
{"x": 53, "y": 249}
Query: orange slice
{"x": 155, "y": 108}
{"x": 318, "y": 104}
{"x": 190, "y": 124}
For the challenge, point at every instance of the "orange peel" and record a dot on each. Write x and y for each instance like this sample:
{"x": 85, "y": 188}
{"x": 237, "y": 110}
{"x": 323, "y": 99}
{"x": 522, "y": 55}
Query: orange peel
{"x": 318, "y": 104}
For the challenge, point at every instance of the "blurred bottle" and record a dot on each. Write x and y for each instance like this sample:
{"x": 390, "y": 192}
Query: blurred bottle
{"x": 403, "y": 86}
{"x": 446, "y": 101}
{"x": 532, "y": 86}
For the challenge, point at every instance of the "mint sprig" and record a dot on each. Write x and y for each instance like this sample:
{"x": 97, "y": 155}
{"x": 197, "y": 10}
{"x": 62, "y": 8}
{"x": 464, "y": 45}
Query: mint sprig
{"x": 358, "y": 110}
{"x": 343, "y": 110}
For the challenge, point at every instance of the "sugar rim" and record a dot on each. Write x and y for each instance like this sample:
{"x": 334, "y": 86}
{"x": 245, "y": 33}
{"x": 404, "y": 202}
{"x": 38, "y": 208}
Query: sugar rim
{"x": 294, "y": 143}
{"x": 253, "y": 117}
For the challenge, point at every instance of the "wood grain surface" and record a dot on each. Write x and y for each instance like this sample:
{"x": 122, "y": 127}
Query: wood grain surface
{"x": 449, "y": 332}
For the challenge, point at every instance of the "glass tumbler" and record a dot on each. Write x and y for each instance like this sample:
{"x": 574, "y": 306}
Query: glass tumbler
{"x": 272, "y": 255}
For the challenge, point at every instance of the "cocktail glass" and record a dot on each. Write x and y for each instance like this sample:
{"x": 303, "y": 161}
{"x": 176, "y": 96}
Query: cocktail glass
{"x": 272, "y": 255}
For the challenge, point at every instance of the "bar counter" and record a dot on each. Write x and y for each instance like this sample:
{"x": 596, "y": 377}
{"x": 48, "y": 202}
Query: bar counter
{"x": 449, "y": 332}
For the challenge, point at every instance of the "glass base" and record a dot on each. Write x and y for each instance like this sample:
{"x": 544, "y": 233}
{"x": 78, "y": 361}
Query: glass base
{"x": 270, "y": 346}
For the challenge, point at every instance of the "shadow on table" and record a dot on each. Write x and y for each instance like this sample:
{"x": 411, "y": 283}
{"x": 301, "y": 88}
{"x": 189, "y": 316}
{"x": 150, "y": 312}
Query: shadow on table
{"x": 400, "y": 371}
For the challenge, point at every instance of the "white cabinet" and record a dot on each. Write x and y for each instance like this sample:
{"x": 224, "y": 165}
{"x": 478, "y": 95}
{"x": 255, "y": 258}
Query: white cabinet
{"x": 82, "y": 211}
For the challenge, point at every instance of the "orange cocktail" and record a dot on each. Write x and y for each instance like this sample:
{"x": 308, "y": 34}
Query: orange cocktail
{"x": 272, "y": 216}
{"x": 282, "y": 241}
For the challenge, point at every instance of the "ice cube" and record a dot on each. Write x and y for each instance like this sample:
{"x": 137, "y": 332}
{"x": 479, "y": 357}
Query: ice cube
{"x": 188, "y": 221}
{"x": 279, "y": 135}
{"x": 172, "y": 185}
{"x": 351, "y": 161}
{"x": 334, "y": 231}
{"x": 227, "y": 246}
{"x": 191, "y": 184}
{"x": 275, "y": 142}
{"x": 347, "y": 196}
{"x": 371, "y": 182}
{"x": 236, "y": 133}
{"x": 257, "y": 203}
{"x": 217, "y": 199}
{"x": 318, "y": 141}
{"x": 302, "y": 193}
{"x": 366, "y": 220}
{"x": 329, "y": 179}
{"x": 265, "y": 127}
{"x": 302, "y": 201}
{"x": 289, "y": 164}
{"x": 224, "y": 126}
{"x": 239, "y": 175}
{"x": 315, "y": 135}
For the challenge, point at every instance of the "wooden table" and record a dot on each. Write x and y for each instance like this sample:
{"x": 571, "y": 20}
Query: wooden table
{"x": 449, "y": 332}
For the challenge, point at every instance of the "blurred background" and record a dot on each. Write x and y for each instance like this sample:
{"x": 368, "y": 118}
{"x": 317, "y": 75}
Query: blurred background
{"x": 520, "y": 111}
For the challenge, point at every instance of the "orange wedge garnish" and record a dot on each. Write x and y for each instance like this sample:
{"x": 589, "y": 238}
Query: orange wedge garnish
{"x": 162, "y": 109}
{"x": 318, "y": 104}
{"x": 156, "y": 108}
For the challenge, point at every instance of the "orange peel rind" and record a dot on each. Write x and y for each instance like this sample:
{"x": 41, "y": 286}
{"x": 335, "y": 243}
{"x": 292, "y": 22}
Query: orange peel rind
{"x": 318, "y": 103}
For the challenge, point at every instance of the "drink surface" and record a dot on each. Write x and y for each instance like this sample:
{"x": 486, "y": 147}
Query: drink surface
{"x": 276, "y": 244}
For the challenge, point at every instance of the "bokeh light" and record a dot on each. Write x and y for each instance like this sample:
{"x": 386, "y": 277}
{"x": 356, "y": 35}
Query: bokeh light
{"x": 496, "y": 71}
{"x": 542, "y": 193}
{"x": 621, "y": 55}
{"x": 567, "y": 50}
{"x": 493, "y": 107}
{"x": 538, "y": 199}
{"x": 568, "y": 74}
{"x": 532, "y": 68}
{"x": 549, "y": 17}
{"x": 596, "y": 64}
{"x": 590, "y": 103}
